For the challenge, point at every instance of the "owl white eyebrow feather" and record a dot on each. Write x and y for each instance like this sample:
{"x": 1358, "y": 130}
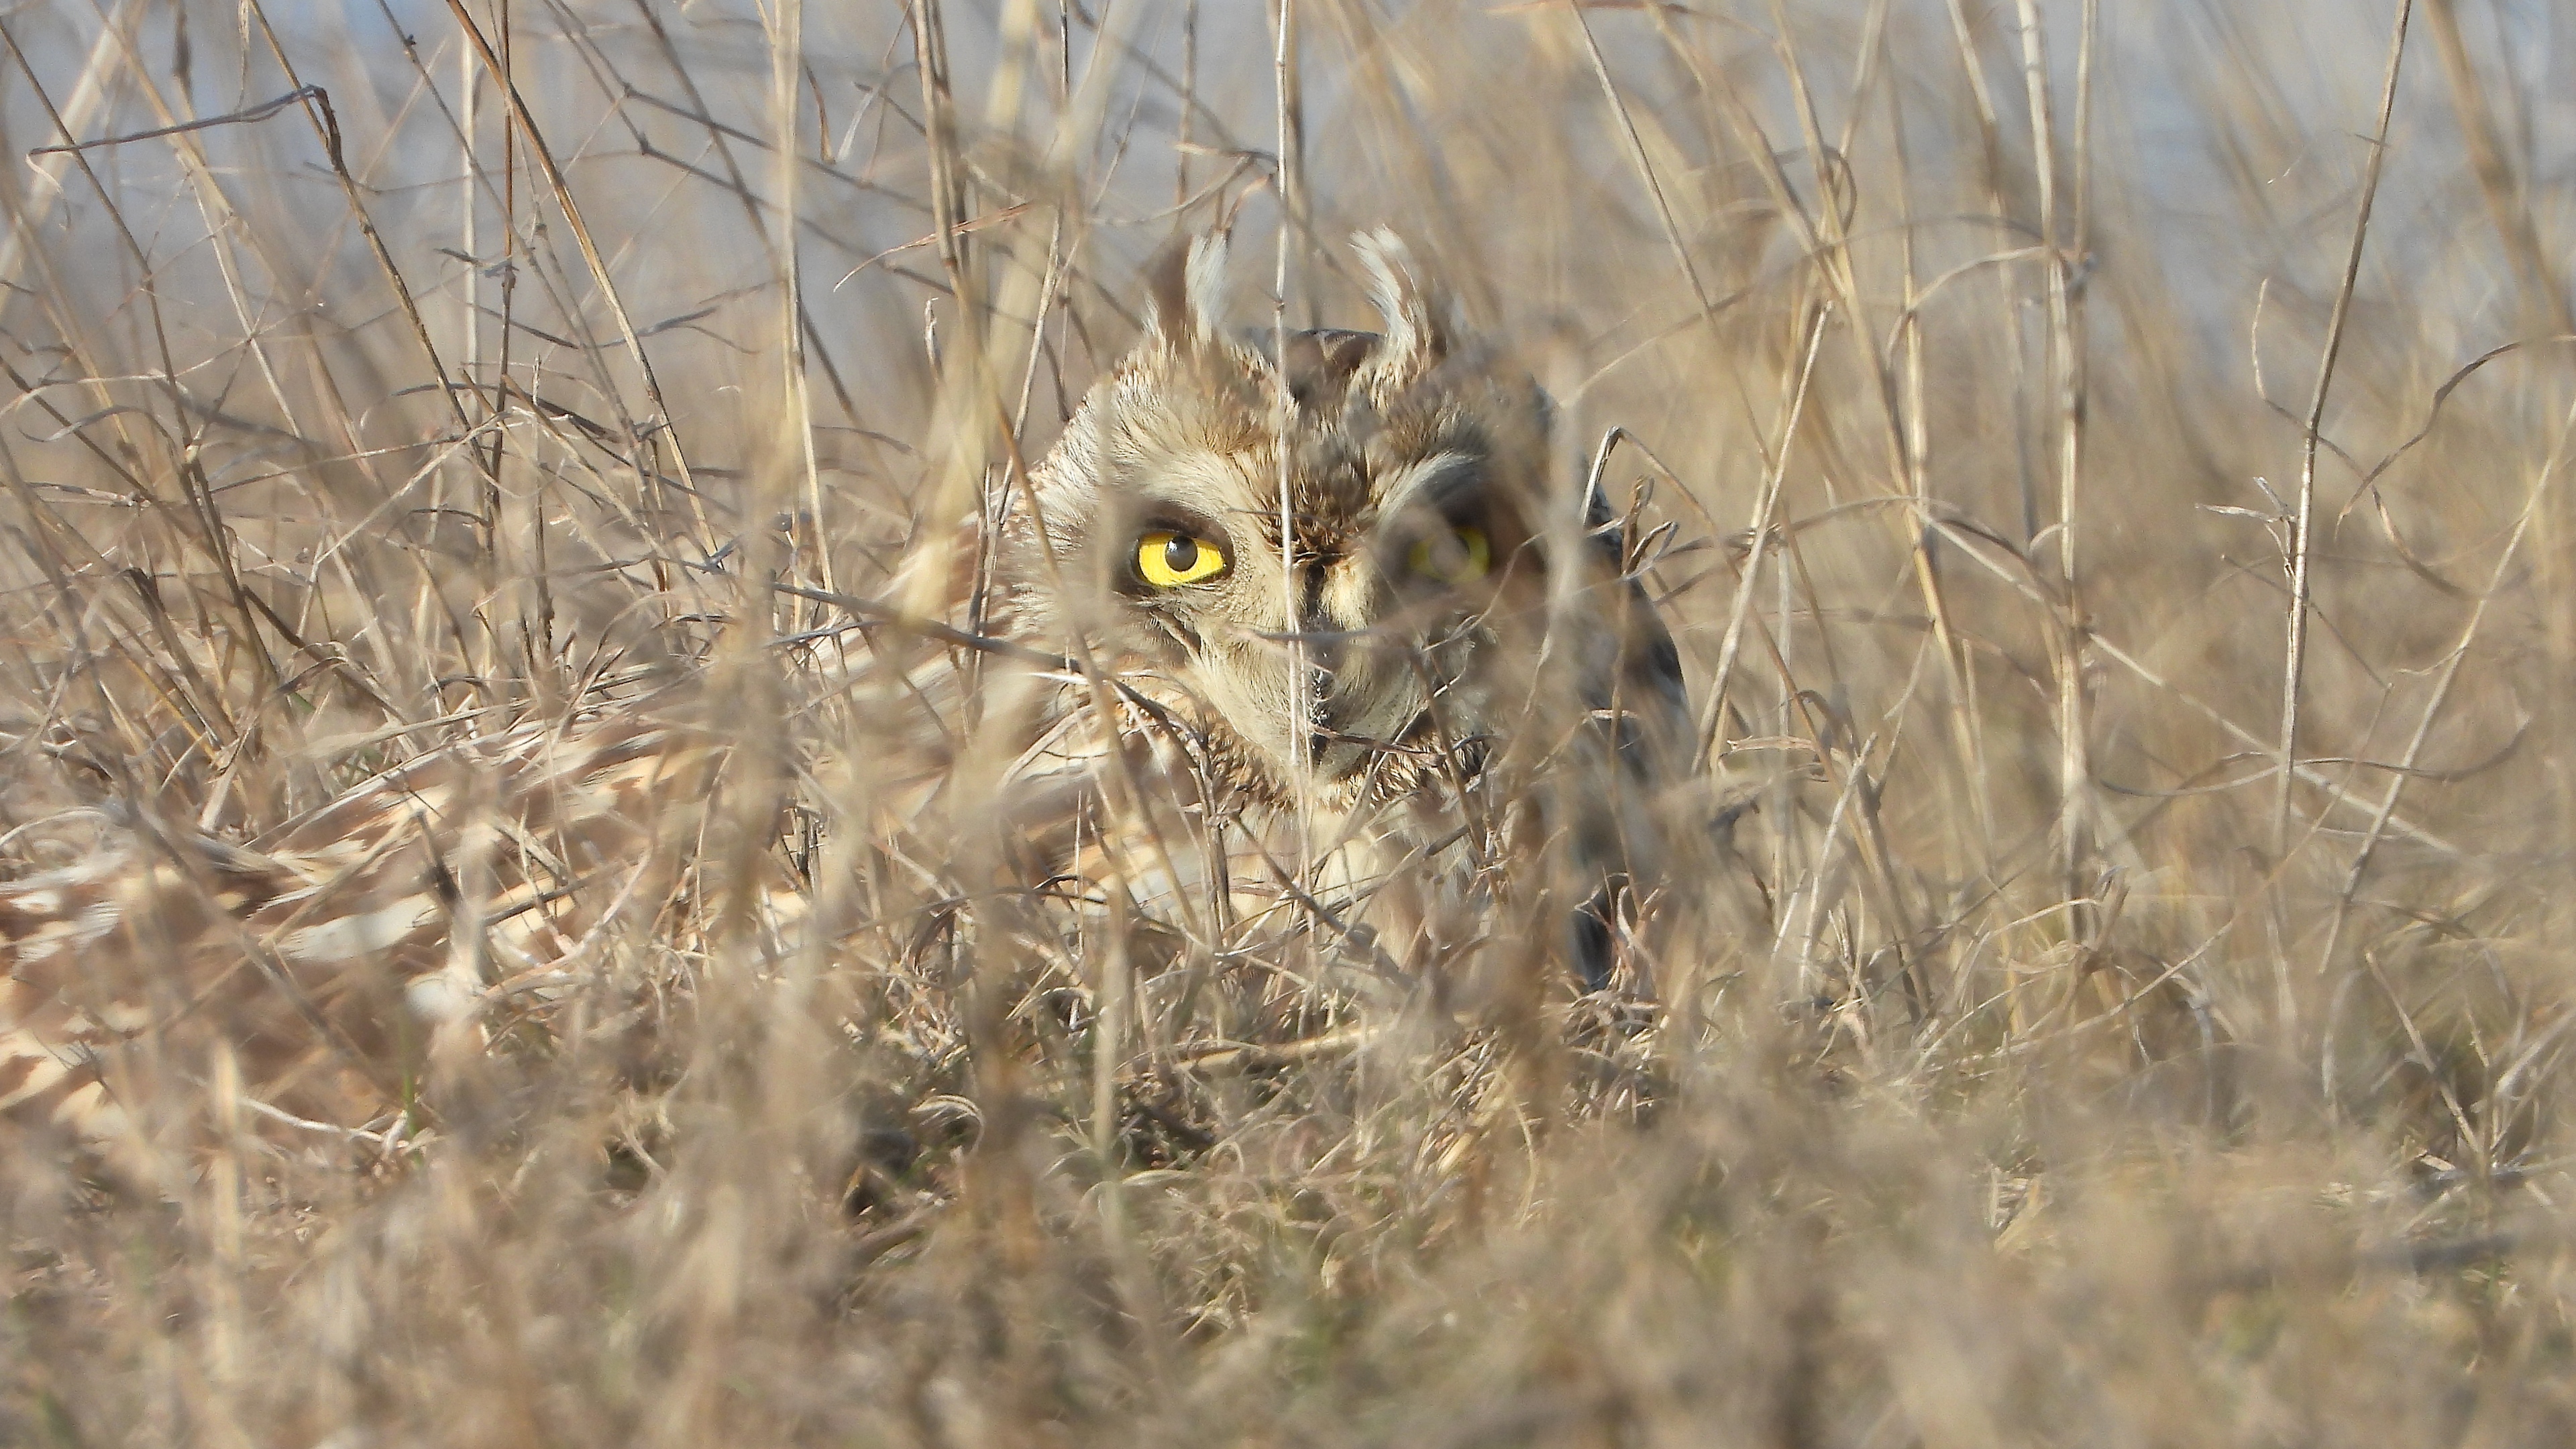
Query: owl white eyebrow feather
{"x": 1438, "y": 478}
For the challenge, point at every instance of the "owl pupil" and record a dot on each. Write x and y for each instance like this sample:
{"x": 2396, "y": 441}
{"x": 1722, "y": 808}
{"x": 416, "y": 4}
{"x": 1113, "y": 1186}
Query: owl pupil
{"x": 1181, "y": 554}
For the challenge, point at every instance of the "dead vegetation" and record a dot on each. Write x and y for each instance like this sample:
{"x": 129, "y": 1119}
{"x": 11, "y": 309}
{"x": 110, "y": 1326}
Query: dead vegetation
{"x": 2103, "y": 469}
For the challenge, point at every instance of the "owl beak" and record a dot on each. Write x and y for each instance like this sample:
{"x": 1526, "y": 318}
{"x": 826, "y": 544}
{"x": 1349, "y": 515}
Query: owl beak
{"x": 1330, "y": 750}
{"x": 1347, "y": 740}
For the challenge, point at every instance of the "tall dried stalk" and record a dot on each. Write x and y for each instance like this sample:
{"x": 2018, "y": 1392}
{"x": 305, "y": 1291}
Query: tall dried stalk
{"x": 2295, "y": 644}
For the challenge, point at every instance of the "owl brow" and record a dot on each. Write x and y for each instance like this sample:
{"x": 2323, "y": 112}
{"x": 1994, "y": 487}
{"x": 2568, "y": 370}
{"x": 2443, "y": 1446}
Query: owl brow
{"x": 1187, "y": 523}
{"x": 1437, "y": 482}
{"x": 1152, "y": 513}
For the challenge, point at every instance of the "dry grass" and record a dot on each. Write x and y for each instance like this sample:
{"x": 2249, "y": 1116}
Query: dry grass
{"x": 2090, "y": 1079}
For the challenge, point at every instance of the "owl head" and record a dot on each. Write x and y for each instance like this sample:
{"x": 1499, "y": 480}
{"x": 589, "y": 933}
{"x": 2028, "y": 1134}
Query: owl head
{"x": 1337, "y": 559}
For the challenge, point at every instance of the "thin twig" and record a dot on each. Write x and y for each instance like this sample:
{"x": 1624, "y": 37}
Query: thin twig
{"x": 259, "y": 112}
{"x": 2295, "y": 647}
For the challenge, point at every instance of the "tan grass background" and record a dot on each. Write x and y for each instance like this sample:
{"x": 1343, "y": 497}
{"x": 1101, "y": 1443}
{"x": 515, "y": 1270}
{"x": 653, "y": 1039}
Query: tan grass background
{"x": 2089, "y": 1077}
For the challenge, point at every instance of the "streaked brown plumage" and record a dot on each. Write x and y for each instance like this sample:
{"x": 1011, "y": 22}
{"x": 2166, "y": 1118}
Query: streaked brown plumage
{"x": 322, "y": 954}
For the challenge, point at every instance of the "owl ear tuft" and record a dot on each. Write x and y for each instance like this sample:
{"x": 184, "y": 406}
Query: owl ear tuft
{"x": 1187, "y": 288}
{"x": 1415, "y": 313}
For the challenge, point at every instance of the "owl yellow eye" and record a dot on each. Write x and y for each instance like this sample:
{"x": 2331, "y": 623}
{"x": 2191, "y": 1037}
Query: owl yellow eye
{"x": 1168, "y": 560}
{"x": 1460, "y": 556}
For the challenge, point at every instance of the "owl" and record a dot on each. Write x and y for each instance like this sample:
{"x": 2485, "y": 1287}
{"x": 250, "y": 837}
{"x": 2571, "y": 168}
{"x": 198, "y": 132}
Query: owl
{"x": 1290, "y": 639}
{"x": 1369, "y": 654}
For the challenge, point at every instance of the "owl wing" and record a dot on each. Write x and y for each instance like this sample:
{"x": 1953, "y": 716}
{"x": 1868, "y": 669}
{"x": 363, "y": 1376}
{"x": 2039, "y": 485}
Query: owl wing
{"x": 321, "y": 955}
